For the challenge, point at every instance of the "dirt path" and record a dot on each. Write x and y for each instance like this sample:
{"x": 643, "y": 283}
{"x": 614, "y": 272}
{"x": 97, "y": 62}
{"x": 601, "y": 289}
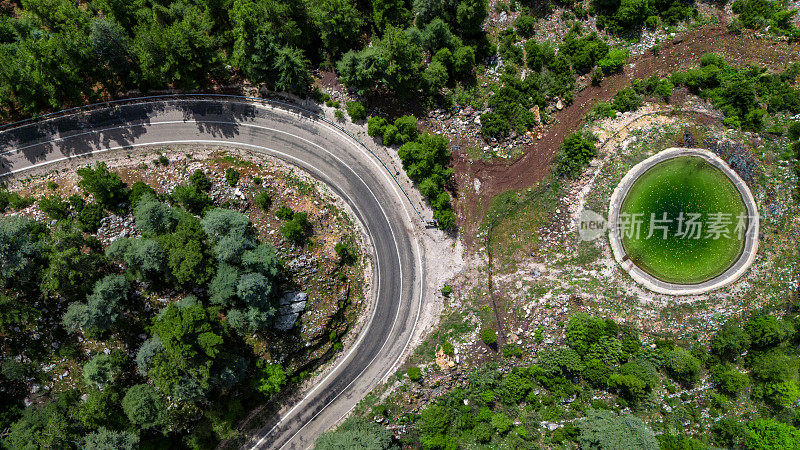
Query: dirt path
{"x": 494, "y": 177}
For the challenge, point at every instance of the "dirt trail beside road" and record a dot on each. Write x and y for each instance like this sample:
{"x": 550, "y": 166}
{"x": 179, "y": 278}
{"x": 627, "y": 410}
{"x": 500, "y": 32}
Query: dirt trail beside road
{"x": 496, "y": 176}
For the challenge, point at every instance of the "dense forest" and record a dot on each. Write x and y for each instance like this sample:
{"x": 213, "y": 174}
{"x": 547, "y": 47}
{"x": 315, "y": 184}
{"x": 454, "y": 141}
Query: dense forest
{"x": 160, "y": 335}
{"x": 61, "y": 52}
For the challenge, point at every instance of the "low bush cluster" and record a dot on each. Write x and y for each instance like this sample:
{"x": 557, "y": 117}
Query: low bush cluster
{"x": 575, "y": 153}
{"x": 426, "y": 161}
{"x": 740, "y": 93}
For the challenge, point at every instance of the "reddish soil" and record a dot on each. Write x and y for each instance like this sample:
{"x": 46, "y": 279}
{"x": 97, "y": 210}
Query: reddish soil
{"x": 497, "y": 176}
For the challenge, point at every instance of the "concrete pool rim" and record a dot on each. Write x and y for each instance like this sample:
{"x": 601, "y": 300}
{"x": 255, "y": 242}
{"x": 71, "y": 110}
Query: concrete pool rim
{"x": 731, "y": 274}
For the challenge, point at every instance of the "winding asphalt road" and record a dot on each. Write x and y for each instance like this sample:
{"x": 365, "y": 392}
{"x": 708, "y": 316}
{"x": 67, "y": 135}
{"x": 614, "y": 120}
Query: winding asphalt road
{"x": 298, "y": 138}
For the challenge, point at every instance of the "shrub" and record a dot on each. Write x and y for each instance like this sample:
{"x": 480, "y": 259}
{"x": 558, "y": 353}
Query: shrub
{"x": 794, "y": 130}
{"x": 232, "y": 176}
{"x": 366, "y": 433}
{"x": 54, "y": 207}
{"x": 489, "y": 336}
{"x": 107, "y": 187}
{"x": 435, "y": 76}
{"x": 494, "y": 125}
{"x": 356, "y": 111}
{"x": 574, "y": 155}
{"x": 682, "y": 366}
{"x": 263, "y": 200}
{"x": 463, "y": 61}
{"x": 597, "y": 76}
{"x": 767, "y": 331}
{"x": 771, "y": 434}
{"x": 447, "y": 290}
{"x": 728, "y": 432}
{"x": 448, "y": 349}
{"x": 730, "y": 341}
{"x": 525, "y": 25}
{"x": 191, "y": 198}
{"x": 512, "y": 350}
{"x": 346, "y": 253}
{"x": 89, "y": 217}
{"x": 143, "y": 406}
{"x": 602, "y": 110}
{"x": 606, "y": 429}
{"x": 138, "y": 191}
{"x": 626, "y": 100}
{"x": 614, "y": 61}
{"x": 338, "y": 114}
{"x": 297, "y": 229}
{"x": 376, "y": 125}
{"x": 153, "y": 217}
{"x": 414, "y": 373}
{"x": 406, "y": 128}
{"x": 284, "y": 213}
{"x": 200, "y": 180}
{"x": 483, "y": 433}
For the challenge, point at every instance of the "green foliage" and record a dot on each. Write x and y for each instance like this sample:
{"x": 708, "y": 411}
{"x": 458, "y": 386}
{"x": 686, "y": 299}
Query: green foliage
{"x": 730, "y": 381}
{"x": 603, "y": 429}
{"x": 654, "y": 86}
{"x": 614, "y": 61}
{"x": 426, "y": 162}
{"x": 635, "y": 380}
{"x": 20, "y": 251}
{"x": 763, "y": 434}
{"x": 575, "y": 153}
{"x": 103, "y": 369}
{"x": 145, "y": 259}
{"x": 105, "y": 186}
{"x": 356, "y": 111}
{"x": 297, "y": 229}
{"x": 585, "y": 52}
{"x": 232, "y": 176}
{"x": 488, "y": 336}
{"x": 192, "y": 199}
{"x": 739, "y": 93}
{"x": 144, "y": 407}
{"x": 767, "y": 331}
{"x": 682, "y": 366}
{"x": 105, "y": 439}
{"x": 358, "y": 434}
{"x": 730, "y": 341}
{"x": 392, "y": 62}
{"x": 525, "y": 25}
{"x": 414, "y": 373}
{"x": 794, "y": 130}
{"x": 153, "y": 217}
{"x": 89, "y": 216}
{"x": 284, "y": 213}
{"x": 263, "y": 200}
{"x": 760, "y": 14}
{"x": 140, "y": 190}
{"x": 13, "y": 201}
{"x": 54, "y": 207}
{"x": 626, "y": 100}
{"x": 338, "y": 22}
{"x": 188, "y": 254}
{"x": 345, "y": 252}
{"x": 51, "y": 426}
{"x": 270, "y": 378}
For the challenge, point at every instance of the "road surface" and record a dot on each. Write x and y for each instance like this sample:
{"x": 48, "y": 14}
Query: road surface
{"x": 298, "y": 138}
